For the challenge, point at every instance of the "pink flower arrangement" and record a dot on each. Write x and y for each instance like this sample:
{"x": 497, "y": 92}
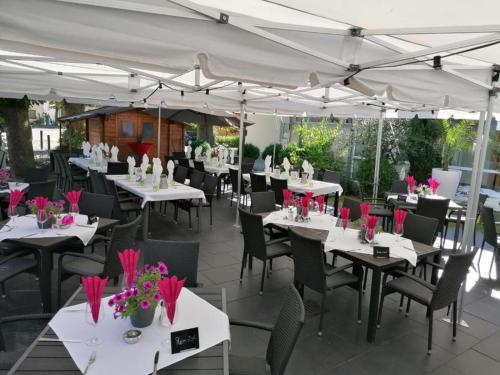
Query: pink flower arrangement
{"x": 4, "y": 176}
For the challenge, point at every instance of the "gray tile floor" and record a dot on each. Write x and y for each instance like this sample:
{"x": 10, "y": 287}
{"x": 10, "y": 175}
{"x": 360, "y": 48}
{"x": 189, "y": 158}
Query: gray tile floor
{"x": 401, "y": 342}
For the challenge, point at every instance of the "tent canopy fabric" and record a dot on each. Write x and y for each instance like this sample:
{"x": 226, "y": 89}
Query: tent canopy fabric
{"x": 317, "y": 57}
{"x": 207, "y": 118}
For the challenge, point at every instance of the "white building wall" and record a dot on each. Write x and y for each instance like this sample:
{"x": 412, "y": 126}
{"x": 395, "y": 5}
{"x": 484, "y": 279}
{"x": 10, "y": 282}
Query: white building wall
{"x": 263, "y": 132}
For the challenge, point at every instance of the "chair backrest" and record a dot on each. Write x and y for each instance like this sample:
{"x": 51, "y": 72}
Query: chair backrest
{"x": 263, "y": 201}
{"x": 210, "y": 186}
{"x": 181, "y": 258}
{"x": 399, "y": 187}
{"x": 420, "y": 228}
{"x": 36, "y": 174}
{"x": 45, "y": 189}
{"x": 117, "y": 168}
{"x": 233, "y": 176}
{"x": 332, "y": 176}
{"x": 123, "y": 237}
{"x": 453, "y": 275}
{"x": 184, "y": 162}
{"x": 489, "y": 226}
{"x": 277, "y": 185}
{"x": 285, "y": 332}
{"x": 254, "y": 242}
{"x": 111, "y": 190}
{"x": 198, "y": 165}
{"x": 180, "y": 174}
{"x": 308, "y": 261}
{"x": 97, "y": 183}
{"x": 99, "y": 205}
{"x": 247, "y": 167}
{"x": 196, "y": 179}
{"x": 258, "y": 182}
{"x": 355, "y": 212}
{"x": 179, "y": 155}
{"x": 436, "y": 208}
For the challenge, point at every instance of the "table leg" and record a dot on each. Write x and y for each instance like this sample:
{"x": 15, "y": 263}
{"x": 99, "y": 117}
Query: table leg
{"x": 200, "y": 206}
{"x": 374, "y": 301}
{"x": 45, "y": 279}
{"x": 336, "y": 205}
{"x": 219, "y": 186}
{"x": 457, "y": 230}
{"x": 145, "y": 221}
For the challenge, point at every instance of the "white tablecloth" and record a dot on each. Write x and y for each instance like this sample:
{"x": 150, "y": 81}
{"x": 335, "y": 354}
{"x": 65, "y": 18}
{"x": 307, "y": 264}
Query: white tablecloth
{"x": 318, "y": 220}
{"x": 413, "y": 200}
{"x": 177, "y": 191}
{"x": 318, "y": 187}
{"x": 15, "y": 185}
{"x": 114, "y": 356}
{"x": 85, "y": 164}
{"x": 26, "y": 226}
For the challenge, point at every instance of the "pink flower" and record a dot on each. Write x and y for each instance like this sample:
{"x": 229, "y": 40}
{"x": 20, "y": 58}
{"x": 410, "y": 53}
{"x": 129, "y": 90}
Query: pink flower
{"x": 128, "y": 293}
{"x": 148, "y": 285}
{"x": 145, "y": 304}
{"x": 162, "y": 268}
{"x": 120, "y": 308}
{"x": 149, "y": 268}
{"x": 118, "y": 298}
{"x": 157, "y": 297}
{"x": 135, "y": 292}
{"x": 111, "y": 302}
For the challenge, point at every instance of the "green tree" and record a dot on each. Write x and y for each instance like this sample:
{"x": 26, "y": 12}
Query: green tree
{"x": 269, "y": 150}
{"x": 458, "y": 136}
{"x": 14, "y": 113}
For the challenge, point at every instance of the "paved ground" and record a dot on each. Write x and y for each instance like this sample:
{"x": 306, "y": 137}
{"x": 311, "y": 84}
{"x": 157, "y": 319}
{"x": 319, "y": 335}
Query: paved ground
{"x": 401, "y": 342}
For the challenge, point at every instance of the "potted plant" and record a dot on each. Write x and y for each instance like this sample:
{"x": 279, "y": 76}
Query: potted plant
{"x": 139, "y": 302}
{"x": 52, "y": 210}
{"x": 457, "y": 136}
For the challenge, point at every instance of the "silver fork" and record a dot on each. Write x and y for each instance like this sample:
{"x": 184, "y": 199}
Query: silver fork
{"x": 90, "y": 362}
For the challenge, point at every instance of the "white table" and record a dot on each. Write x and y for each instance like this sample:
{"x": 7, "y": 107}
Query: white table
{"x": 174, "y": 192}
{"x": 414, "y": 200}
{"x": 85, "y": 164}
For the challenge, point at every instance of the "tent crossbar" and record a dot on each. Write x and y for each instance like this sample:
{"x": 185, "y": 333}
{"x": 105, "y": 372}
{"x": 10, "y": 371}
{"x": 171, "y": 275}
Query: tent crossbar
{"x": 479, "y": 29}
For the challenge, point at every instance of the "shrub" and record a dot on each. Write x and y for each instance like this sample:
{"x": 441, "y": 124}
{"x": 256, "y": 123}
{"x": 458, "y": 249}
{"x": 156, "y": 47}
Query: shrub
{"x": 200, "y": 142}
{"x": 366, "y": 170}
{"x": 250, "y": 151}
{"x": 228, "y": 140}
{"x": 269, "y": 151}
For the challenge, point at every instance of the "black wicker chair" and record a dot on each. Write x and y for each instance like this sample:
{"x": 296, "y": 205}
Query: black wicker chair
{"x": 117, "y": 168}
{"x": 399, "y": 187}
{"x": 97, "y": 182}
{"x": 255, "y": 244}
{"x": 209, "y": 189}
{"x": 184, "y": 163}
{"x": 283, "y": 338}
{"x": 453, "y": 217}
{"x": 258, "y": 182}
{"x": 45, "y": 189}
{"x": 180, "y": 174}
{"x": 353, "y": 205}
{"x": 436, "y": 208}
{"x": 181, "y": 257}
{"x": 434, "y": 297}
{"x": 244, "y": 191}
{"x": 199, "y": 165}
{"x": 332, "y": 176}
{"x": 277, "y": 185}
{"x": 490, "y": 235}
{"x": 196, "y": 179}
{"x": 310, "y": 270}
{"x": 36, "y": 175}
{"x": 263, "y": 201}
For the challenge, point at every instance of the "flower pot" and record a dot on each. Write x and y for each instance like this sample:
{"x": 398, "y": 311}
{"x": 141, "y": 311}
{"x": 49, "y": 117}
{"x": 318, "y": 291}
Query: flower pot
{"x": 449, "y": 181}
{"x": 142, "y": 317}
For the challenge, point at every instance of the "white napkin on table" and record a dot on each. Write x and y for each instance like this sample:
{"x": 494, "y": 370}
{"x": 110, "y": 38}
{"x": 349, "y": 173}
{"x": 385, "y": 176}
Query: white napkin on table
{"x": 131, "y": 165}
{"x": 305, "y": 166}
{"x": 197, "y": 152}
{"x": 310, "y": 173}
{"x": 170, "y": 169}
{"x": 86, "y": 149}
{"x": 188, "y": 150}
{"x": 286, "y": 165}
{"x": 106, "y": 148}
{"x": 231, "y": 155}
{"x": 267, "y": 164}
{"x": 98, "y": 154}
{"x": 101, "y": 146}
{"x": 144, "y": 167}
{"x": 114, "y": 154}
{"x": 225, "y": 155}
{"x": 93, "y": 152}
{"x": 157, "y": 171}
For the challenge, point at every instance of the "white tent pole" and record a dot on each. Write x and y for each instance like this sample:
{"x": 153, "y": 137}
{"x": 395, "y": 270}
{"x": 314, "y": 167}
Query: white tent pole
{"x": 274, "y": 139}
{"x": 159, "y": 132}
{"x": 376, "y": 174}
{"x": 240, "y": 151}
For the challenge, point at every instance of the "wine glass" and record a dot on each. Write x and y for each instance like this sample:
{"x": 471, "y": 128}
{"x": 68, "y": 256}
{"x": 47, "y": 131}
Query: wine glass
{"x": 165, "y": 321}
{"x": 398, "y": 231}
{"x": 92, "y": 320}
{"x": 74, "y": 209}
{"x": 41, "y": 218}
{"x": 370, "y": 236}
{"x": 12, "y": 213}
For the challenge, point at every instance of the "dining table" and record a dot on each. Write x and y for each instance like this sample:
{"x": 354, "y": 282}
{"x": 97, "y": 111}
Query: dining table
{"x": 87, "y": 163}
{"x": 345, "y": 244}
{"x": 53, "y": 357}
{"x": 46, "y": 242}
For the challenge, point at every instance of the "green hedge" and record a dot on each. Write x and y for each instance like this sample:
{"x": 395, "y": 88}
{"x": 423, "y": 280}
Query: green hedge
{"x": 228, "y": 140}
{"x": 200, "y": 142}
{"x": 269, "y": 151}
{"x": 250, "y": 151}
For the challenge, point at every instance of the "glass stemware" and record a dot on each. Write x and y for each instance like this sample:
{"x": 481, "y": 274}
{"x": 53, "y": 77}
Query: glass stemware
{"x": 74, "y": 209}
{"x": 12, "y": 213}
{"x": 370, "y": 236}
{"x": 398, "y": 231}
{"x": 165, "y": 321}
{"x": 41, "y": 218}
{"x": 94, "y": 340}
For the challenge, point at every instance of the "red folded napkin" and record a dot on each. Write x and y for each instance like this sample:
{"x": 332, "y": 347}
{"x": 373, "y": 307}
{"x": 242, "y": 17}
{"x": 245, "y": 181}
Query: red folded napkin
{"x": 287, "y": 197}
{"x": 67, "y": 220}
{"x": 170, "y": 288}
{"x": 344, "y": 216}
{"x": 365, "y": 210}
{"x": 433, "y": 184}
{"x": 321, "y": 202}
{"x": 73, "y": 197}
{"x": 15, "y": 198}
{"x": 399, "y": 218}
{"x": 371, "y": 222}
{"x": 129, "y": 259}
{"x": 41, "y": 203}
{"x": 93, "y": 287}
{"x": 309, "y": 195}
{"x": 304, "y": 202}
{"x": 410, "y": 180}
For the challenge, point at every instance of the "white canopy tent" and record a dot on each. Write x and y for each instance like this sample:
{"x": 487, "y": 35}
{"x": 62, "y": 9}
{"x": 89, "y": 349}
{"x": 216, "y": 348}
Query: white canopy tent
{"x": 292, "y": 56}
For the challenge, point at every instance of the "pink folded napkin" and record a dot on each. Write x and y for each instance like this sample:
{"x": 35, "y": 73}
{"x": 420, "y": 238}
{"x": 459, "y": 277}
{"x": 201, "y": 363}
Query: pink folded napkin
{"x": 371, "y": 222}
{"x": 433, "y": 184}
{"x": 410, "y": 180}
{"x": 399, "y": 219}
{"x": 304, "y": 203}
{"x": 344, "y": 216}
{"x": 287, "y": 197}
{"x": 365, "y": 210}
{"x": 309, "y": 195}
{"x": 15, "y": 198}
{"x": 129, "y": 259}
{"x": 73, "y": 198}
{"x": 93, "y": 287}
{"x": 170, "y": 288}
{"x": 321, "y": 202}
{"x": 67, "y": 220}
{"x": 41, "y": 203}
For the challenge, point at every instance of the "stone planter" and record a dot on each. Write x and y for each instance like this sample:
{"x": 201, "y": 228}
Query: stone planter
{"x": 449, "y": 181}
{"x": 143, "y": 318}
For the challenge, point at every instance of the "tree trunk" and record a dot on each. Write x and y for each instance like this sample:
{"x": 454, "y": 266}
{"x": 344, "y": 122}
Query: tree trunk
{"x": 19, "y": 139}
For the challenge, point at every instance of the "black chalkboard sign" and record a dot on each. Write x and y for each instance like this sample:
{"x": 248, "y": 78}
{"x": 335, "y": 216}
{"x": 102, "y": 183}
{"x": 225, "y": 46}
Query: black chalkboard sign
{"x": 401, "y": 198}
{"x": 381, "y": 252}
{"x": 185, "y": 340}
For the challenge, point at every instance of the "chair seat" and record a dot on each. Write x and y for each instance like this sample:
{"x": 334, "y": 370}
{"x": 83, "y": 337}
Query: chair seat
{"x": 84, "y": 267}
{"x": 278, "y": 249}
{"x": 130, "y": 206}
{"x": 411, "y": 288}
{"x": 340, "y": 278}
{"x": 7, "y": 248}
{"x": 16, "y": 266}
{"x": 239, "y": 365}
{"x": 9, "y": 359}
{"x": 380, "y": 211}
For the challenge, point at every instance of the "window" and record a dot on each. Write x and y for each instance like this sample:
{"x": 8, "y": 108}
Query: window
{"x": 127, "y": 128}
{"x": 147, "y": 130}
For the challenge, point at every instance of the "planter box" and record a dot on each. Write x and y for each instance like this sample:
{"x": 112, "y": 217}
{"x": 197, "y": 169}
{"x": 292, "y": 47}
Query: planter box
{"x": 449, "y": 181}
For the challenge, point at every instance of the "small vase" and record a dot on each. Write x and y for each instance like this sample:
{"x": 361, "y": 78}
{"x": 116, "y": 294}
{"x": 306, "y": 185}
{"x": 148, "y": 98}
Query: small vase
{"x": 142, "y": 317}
{"x": 46, "y": 224}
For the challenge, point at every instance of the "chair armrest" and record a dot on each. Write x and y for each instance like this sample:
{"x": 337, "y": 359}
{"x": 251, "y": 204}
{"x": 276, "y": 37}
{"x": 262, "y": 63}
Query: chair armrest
{"x": 17, "y": 254}
{"x": 15, "y": 318}
{"x": 251, "y": 324}
{"x": 337, "y": 269}
{"x": 277, "y": 240}
{"x": 80, "y": 255}
{"x": 416, "y": 279}
{"x": 433, "y": 264}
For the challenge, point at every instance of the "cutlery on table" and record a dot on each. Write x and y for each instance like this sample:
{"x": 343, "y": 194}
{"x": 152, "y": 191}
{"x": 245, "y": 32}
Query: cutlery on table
{"x": 90, "y": 362}
{"x": 155, "y": 367}
{"x": 29, "y": 235}
{"x": 48, "y": 339}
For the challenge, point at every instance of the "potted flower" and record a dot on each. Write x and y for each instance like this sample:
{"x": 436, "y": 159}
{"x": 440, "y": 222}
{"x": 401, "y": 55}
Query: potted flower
{"x": 52, "y": 210}
{"x": 4, "y": 178}
{"x": 457, "y": 136}
{"x": 423, "y": 190}
{"x": 139, "y": 301}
